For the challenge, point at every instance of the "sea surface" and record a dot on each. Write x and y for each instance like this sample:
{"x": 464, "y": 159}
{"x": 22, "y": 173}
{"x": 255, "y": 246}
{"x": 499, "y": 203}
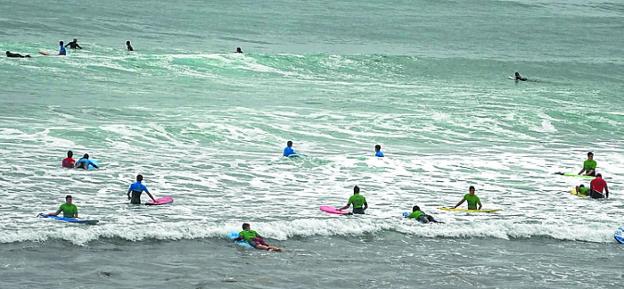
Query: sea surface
{"x": 427, "y": 80}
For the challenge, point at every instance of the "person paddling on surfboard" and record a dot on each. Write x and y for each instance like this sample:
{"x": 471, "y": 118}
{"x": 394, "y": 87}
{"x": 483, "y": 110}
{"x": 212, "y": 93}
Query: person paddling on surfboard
{"x": 378, "y": 152}
{"x": 254, "y": 239}
{"x": 73, "y": 44}
{"x": 69, "y": 209}
{"x": 589, "y": 165}
{"x": 16, "y": 55}
{"x": 518, "y": 77}
{"x": 472, "y": 200}
{"x": 85, "y": 162}
{"x": 288, "y": 150}
{"x": 137, "y": 188}
{"x": 582, "y": 190}
{"x": 597, "y": 186}
{"x": 421, "y": 216}
{"x": 69, "y": 161}
{"x": 359, "y": 202}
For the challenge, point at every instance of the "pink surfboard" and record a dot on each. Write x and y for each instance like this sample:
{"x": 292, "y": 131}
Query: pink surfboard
{"x": 333, "y": 210}
{"x": 161, "y": 201}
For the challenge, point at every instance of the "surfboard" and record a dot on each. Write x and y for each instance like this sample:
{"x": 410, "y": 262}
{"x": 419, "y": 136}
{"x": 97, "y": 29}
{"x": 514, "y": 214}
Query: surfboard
{"x": 70, "y": 220}
{"x": 243, "y": 244}
{"x": 44, "y": 53}
{"x": 619, "y": 235}
{"x": 573, "y": 192}
{"x": 470, "y": 211}
{"x": 161, "y": 201}
{"x": 576, "y": 175}
{"x": 333, "y": 210}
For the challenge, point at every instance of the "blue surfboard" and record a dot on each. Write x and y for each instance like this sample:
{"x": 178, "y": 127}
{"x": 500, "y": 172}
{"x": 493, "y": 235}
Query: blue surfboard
{"x": 234, "y": 235}
{"x": 619, "y": 235}
{"x": 70, "y": 220}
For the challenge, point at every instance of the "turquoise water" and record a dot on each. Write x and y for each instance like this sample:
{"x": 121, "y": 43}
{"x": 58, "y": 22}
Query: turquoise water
{"x": 426, "y": 80}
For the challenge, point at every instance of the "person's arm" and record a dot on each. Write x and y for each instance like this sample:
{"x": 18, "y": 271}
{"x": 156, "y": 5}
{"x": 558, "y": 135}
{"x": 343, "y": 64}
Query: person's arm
{"x": 78, "y": 46}
{"x": 55, "y": 213}
{"x": 582, "y": 170}
{"x": 591, "y": 186}
{"x": 150, "y": 195}
{"x": 607, "y": 191}
{"x": 129, "y": 191}
{"x": 459, "y": 204}
{"x": 93, "y": 164}
{"x": 66, "y": 45}
{"x": 76, "y": 214}
{"x": 365, "y": 206}
{"x": 479, "y": 203}
{"x": 345, "y": 207}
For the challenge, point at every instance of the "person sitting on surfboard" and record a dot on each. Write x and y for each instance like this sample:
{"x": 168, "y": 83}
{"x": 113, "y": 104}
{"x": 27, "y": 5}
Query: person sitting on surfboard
{"x": 128, "y": 46}
{"x": 597, "y": 186}
{"x": 16, "y": 55}
{"x": 62, "y": 50}
{"x": 288, "y": 150}
{"x": 519, "y": 77}
{"x": 378, "y": 152}
{"x": 73, "y": 44}
{"x": 421, "y": 216}
{"x": 254, "y": 239}
{"x": 582, "y": 190}
{"x": 359, "y": 202}
{"x": 136, "y": 189}
{"x": 69, "y": 161}
{"x": 69, "y": 210}
{"x": 84, "y": 162}
{"x": 472, "y": 200}
{"x": 589, "y": 165}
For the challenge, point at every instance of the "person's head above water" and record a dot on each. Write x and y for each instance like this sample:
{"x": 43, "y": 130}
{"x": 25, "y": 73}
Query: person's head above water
{"x": 415, "y": 208}
{"x": 517, "y": 74}
{"x": 128, "y": 42}
{"x": 75, "y": 40}
{"x": 599, "y": 175}
{"x": 356, "y": 189}
{"x": 377, "y": 148}
{"x": 239, "y": 50}
{"x": 61, "y": 43}
{"x": 85, "y": 156}
{"x": 68, "y": 199}
{"x": 70, "y": 154}
{"x": 8, "y": 52}
{"x": 246, "y": 226}
{"x": 590, "y": 155}
{"x": 289, "y": 143}
{"x": 139, "y": 178}
{"x": 471, "y": 189}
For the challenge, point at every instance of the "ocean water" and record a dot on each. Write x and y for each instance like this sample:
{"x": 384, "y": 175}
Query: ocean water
{"x": 427, "y": 80}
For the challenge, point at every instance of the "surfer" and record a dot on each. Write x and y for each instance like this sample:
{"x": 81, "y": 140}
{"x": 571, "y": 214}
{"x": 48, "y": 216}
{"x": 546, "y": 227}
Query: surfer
{"x": 136, "y": 189}
{"x": 62, "y": 50}
{"x": 378, "y": 152}
{"x": 519, "y": 77}
{"x": 69, "y": 210}
{"x": 288, "y": 150}
{"x": 69, "y": 161}
{"x": 16, "y": 55}
{"x": 359, "y": 202}
{"x": 129, "y": 46}
{"x": 239, "y": 50}
{"x": 84, "y": 162}
{"x": 421, "y": 216}
{"x": 73, "y": 44}
{"x": 472, "y": 200}
{"x": 597, "y": 186}
{"x": 582, "y": 190}
{"x": 589, "y": 165}
{"x": 254, "y": 239}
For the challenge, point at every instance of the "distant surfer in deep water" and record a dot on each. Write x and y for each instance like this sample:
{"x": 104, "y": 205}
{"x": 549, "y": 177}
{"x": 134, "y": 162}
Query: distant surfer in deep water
{"x": 358, "y": 201}
{"x": 254, "y": 239}
{"x": 129, "y": 46}
{"x": 62, "y": 50}
{"x": 288, "y": 150}
{"x": 519, "y": 77}
{"x": 239, "y": 50}
{"x": 16, "y": 55}
{"x": 378, "y": 152}
{"x": 73, "y": 44}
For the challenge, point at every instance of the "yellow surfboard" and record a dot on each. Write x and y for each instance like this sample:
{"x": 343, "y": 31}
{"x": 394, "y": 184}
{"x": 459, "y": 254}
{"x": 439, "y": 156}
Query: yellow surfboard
{"x": 573, "y": 192}
{"x": 470, "y": 211}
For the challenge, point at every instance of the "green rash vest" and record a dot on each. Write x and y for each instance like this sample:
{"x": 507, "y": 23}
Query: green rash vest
{"x": 357, "y": 200}
{"x": 472, "y": 201}
{"x": 248, "y": 235}
{"x": 415, "y": 214}
{"x": 584, "y": 191}
{"x": 589, "y": 165}
{"x": 69, "y": 210}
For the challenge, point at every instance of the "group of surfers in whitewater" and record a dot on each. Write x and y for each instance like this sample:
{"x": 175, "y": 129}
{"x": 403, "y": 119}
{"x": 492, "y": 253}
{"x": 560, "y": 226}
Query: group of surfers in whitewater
{"x": 597, "y": 189}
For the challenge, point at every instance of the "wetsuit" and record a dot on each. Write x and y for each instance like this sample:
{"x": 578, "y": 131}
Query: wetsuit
{"x": 597, "y": 187}
{"x": 379, "y": 154}
{"x": 288, "y": 151}
{"x": 358, "y": 202}
{"x": 137, "y": 189}
{"x": 73, "y": 45}
{"x": 84, "y": 164}
{"x": 16, "y": 55}
{"x": 62, "y": 51}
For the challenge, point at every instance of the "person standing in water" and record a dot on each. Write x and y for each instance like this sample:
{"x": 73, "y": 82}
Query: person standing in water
{"x": 137, "y": 188}
{"x": 597, "y": 186}
{"x": 73, "y": 44}
{"x": 69, "y": 209}
{"x": 589, "y": 165}
{"x": 129, "y": 46}
{"x": 378, "y": 152}
{"x": 358, "y": 201}
{"x": 62, "y": 50}
{"x": 254, "y": 239}
{"x": 473, "y": 201}
{"x": 69, "y": 161}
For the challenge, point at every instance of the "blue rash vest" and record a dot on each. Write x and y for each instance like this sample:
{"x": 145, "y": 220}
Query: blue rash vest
{"x": 379, "y": 154}
{"x": 289, "y": 151}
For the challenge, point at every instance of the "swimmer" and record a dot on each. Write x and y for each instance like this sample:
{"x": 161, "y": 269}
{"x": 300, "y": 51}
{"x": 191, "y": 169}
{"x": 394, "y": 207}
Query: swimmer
{"x": 254, "y": 239}
{"x": 69, "y": 209}
{"x": 128, "y": 46}
{"x": 84, "y": 162}
{"x": 359, "y": 202}
{"x": 597, "y": 186}
{"x": 421, "y": 216}
{"x": 73, "y": 44}
{"x": 239, "y": 50}
{"x": 519, "y": 77}
{"x": 16, "y": 55}
{"x": 288, "y": 150}
{"x": 472, "y": 200}
{"x": 378, "y": 152}
{"x": 589, "y": 165}
{"x": 69, "y": 161}
{"x": 62, "y": 50}
{"x": 136, "y": 189}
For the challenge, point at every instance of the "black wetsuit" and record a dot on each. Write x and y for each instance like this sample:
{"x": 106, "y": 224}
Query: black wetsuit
{"x": 16, "y": 55}
{"x": 358, "y": 210}
{"x": 73, "y": 45}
